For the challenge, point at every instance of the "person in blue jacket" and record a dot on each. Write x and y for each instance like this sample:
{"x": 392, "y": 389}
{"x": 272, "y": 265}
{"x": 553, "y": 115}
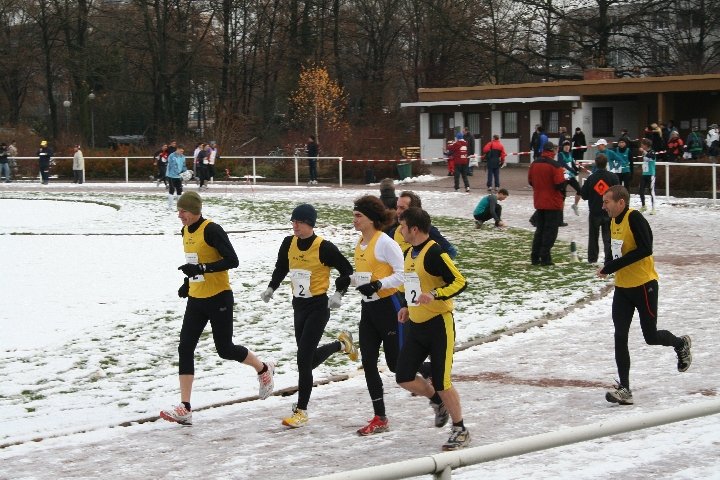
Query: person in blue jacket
{"x": 647, "y": 181}
{"x": 175, "y": 167}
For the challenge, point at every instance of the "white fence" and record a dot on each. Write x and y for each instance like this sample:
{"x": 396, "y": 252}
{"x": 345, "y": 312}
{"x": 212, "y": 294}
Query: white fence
{"x": 296, "y": 163}
{"x": 441, "y": 464}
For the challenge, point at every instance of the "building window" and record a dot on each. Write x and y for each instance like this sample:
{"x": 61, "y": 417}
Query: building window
{"x": 602, "y": 122}
{"x": 551, "y": 122}
{"x": 472, "y": 122}
{"x": 440, "y": 123}
{"x": 510, "y": 124}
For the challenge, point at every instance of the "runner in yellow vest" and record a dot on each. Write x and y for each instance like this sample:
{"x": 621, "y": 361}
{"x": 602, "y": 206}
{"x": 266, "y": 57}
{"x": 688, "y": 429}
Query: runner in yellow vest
{"x": 308, "y": 259}
{"x": 378, "y": 273}
{"x": 636, "y": 288}
{"x": 431, "y": 283}
{"x": 209, "y": 255}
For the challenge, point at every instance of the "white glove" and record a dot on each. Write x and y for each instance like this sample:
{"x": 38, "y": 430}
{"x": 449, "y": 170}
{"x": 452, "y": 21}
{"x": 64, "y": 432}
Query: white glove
{"x": 267, "y": 295}
{"x": 335, "y": 300}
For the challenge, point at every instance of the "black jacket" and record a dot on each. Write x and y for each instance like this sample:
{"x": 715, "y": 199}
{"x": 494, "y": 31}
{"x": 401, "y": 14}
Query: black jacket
{"x": 593, "y": 195}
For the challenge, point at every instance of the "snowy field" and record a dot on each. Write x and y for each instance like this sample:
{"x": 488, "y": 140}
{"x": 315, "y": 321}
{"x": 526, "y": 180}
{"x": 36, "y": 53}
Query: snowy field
{"x": 90, "y": 318}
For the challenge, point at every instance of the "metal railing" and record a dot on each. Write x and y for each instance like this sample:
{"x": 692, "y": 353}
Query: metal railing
{"x": 441, "y": 464}
{"x": 340, "y": 160}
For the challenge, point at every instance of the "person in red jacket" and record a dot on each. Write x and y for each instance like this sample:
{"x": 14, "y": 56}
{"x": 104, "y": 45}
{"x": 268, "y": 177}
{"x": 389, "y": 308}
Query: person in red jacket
{"x": 461, "y": 163}
{"x": 546, "y": 177}
{"x": 494, "y": 154}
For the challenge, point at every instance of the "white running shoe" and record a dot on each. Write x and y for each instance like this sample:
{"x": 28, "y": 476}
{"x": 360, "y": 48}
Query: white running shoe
{"x": 266, "y": 381}
{"x": 178, "y": 414}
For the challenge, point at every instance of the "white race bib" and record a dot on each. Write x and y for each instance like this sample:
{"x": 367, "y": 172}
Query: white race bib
{"x": 193, "y": 259}
{"x": 301, "y": 282}
{"x": 412, "y": 288}
{"x": 616, "y": 248}
{"x": 362, "y": 278}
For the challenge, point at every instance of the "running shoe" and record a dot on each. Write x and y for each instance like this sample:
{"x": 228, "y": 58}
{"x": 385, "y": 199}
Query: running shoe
{"x": 684, "y": 355}
{"x": 298, "y": 419}
{"x": 178, "y": 414}
{"x": 652, "y": 212}
{"x": 467, "y": 189}
{"x": 459, "y": 438}
{"x": 441, "y": 414}
{"x": 376, "y": 425}
{"x": 575, "y": 209}
{"x": 266, "y": 381}
{"x": 620, "y": 395}
{"x": 643, "y": 208}
{"x": 345, "y": 338}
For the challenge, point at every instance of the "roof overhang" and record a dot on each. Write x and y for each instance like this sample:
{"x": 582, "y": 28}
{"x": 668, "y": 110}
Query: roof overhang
{"x": 494, "y": 101}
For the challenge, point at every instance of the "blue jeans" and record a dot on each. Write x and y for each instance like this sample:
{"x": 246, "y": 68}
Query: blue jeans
{"x": 5, "y": 171}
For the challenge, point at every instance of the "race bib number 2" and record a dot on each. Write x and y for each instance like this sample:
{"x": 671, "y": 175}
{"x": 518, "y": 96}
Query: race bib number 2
{"x": 301, "y": 283}
{"x": 616, "y": 248}
{"x": 412, "y": 288}
{"x": 193, "y": 259}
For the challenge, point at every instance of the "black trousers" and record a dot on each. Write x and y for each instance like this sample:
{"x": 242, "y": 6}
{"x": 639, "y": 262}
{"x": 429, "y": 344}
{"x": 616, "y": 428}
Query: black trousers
{"x": 218, "y": 310}
{"x": 461, "y": 170}
{"x": 378, "y": 326}
{"x": 175, "y": 186}
{"x": 310, "y": 316}
{"x": 547, "y": 223}
{"x": 644, "y": 299}
{"x": 599, "y": 224}
{"x": 486, "y": 215}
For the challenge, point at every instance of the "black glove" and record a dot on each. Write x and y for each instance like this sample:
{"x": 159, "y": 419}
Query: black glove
{"x": 369, "y": 288}
{"x": 192, "y": 269}
{"x": 184, "y": 289}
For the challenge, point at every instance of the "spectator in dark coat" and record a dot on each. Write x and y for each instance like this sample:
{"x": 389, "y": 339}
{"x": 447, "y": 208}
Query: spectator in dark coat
{"x": 579, "y": 144}
{"x": 598, "y": 220}
{"x": 547, "y": 178}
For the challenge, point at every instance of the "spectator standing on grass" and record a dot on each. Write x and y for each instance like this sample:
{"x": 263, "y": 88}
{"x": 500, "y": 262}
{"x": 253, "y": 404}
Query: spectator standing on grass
{"x": 44, "y": 158}
{"x": 489, "y": 207}
{"x": 546, "y": 177}
{"x": 209, "y": 255}
{"x": 308, "y": 259}
{"x": 176, "y": 166}
{"x": 494, "y": 155}
{"x": 636, "y": 288}
{"x": 598, "y": 221}
{"x": 311, "y": 151}
{"x": 78, "y": 165}
{"x": 431, "y": 282}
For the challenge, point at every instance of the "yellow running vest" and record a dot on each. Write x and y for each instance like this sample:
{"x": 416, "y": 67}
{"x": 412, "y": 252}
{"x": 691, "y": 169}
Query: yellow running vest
{"x": 208, "y": 284}
{"x": 622, "y": 241}
{"x": 308, "y": 276}
{"x": 428, "y": 282}
{"x": 365, "y": 261}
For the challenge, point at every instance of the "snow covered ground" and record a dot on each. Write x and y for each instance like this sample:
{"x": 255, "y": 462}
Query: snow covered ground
{"x": 89, "y": 321}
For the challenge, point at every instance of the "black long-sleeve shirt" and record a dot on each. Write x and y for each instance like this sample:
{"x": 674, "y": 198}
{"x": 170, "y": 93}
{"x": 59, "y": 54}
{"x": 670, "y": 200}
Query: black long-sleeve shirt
{"x": 329, "y": 256}
{"x": 640, "y": 229}
{"x": 215, "y": 236}
{"x": 436, "y": 265}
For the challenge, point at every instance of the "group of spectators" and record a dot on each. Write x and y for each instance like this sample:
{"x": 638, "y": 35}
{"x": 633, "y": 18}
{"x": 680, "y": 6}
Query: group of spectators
{"x": 204, "y": 158}
{"x": 666, "y": 140}
{"x": 7, "y": 160}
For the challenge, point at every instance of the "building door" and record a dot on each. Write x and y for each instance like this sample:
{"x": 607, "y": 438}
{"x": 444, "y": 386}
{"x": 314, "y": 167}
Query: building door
{"x": 485, "y": 129}
{"x": 524, "y": 135}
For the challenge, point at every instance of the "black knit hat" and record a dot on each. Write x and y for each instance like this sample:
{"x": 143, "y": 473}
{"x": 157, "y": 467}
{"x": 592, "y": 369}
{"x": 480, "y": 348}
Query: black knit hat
{"x": 305, "y": 213}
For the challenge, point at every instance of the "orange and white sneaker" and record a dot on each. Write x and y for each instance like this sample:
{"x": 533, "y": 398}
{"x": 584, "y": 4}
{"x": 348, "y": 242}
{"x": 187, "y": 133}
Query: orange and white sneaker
{"x": 178, "y": 414}
{"x": 376, "y": 425}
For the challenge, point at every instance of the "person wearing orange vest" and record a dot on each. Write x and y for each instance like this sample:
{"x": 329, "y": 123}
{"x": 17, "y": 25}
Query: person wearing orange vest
{"x": 209, "y": 255}
{"x": 308, "y": 259}
{"x": 378, "y": 274}
{"x": 636, "y": 288}
{"x": 430, "y": 284}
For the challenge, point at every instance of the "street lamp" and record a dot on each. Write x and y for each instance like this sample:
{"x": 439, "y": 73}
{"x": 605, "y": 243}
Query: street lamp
{"x": 91, "y": 97}
{"x": 67, "y": 104}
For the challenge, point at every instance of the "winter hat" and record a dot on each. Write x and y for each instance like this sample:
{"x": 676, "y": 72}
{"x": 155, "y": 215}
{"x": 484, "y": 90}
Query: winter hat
{"x": 459, "y": 136}
{"x": 191, "y": 202}
{"x": 549, "y": 146}
{"x": 305, "y": 213}
{"x": 601, "y": 141}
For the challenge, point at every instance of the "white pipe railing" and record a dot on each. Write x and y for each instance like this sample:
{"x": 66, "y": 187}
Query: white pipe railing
{"x": 441, "y": 464}
{"x": 340, "y": 160}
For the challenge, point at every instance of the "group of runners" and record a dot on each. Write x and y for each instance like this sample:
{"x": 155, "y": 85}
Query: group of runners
{"x": 406, "y": 281}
